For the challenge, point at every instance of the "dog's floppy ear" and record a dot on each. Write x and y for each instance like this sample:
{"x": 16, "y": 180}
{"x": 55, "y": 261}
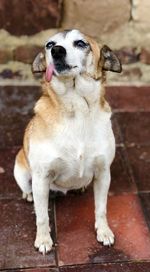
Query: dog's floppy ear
{"x": 109, "y": 60}
{"x": 39, "y": 63}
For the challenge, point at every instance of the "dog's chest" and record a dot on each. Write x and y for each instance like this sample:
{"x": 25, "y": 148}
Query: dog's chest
{"x": 70, "y": 156}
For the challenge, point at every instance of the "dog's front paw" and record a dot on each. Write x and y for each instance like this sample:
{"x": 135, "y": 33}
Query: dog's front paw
{"x": 28, "y": 197}
{"x": 105, "y": 236}
{"x": 43, "y": 243}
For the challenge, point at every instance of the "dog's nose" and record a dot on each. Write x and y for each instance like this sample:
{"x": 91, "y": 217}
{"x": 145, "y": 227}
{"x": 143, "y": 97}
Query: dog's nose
{"x": 58, "y": 52}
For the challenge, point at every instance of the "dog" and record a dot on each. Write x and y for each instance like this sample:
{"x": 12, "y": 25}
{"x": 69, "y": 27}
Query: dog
{"x": 69, "y": 142}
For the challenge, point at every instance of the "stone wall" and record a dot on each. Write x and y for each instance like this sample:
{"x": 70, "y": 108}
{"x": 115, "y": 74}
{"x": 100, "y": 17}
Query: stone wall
{"x": 122, "y": 24}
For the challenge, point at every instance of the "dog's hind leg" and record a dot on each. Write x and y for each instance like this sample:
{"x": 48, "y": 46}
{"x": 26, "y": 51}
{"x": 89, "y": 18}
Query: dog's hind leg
{"x": 23, "y": 176}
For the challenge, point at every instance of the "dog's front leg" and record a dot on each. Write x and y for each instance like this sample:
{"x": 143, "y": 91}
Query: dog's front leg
{"x": 101, "y": 187}
{"x": 40, "y": 186}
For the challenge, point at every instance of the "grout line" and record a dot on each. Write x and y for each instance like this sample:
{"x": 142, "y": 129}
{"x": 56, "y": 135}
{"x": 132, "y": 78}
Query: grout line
{"x": 31, "y": 268}
{"x": 144, "y": 210}
{"x": 119, "y": 130}
{"x": 129, "y": 167}
{"x": 80, "y": 265}
{"x": 20, "y": 84}
{"x": 105, "y": 263}
{"x": 130, "y": 111}
{"x": 144, "y": 192}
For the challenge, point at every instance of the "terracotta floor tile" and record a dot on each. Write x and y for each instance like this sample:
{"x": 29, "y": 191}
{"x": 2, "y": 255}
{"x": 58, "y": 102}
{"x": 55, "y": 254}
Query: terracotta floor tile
{"x": 121, "y": 181}
{"x": 8, "y": 185}
{"x": 140, "y": 162}
{"x": 145, "y": 199}
{"x": 76, "y": 237}
{"x": 17, "y": 232}
{"x": 129, "y": 98}
{"x": 117, "y": 267}
{"x": 135, "y": 127}
{"x": 36, "y": 270}
{"x": 15, "y": 112}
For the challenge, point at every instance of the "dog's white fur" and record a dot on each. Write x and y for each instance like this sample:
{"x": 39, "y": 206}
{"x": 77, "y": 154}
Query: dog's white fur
{"x": 80, "y": 148}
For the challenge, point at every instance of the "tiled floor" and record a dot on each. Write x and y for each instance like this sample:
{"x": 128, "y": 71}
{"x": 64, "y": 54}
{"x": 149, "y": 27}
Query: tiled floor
{"x": 72, "y": 216}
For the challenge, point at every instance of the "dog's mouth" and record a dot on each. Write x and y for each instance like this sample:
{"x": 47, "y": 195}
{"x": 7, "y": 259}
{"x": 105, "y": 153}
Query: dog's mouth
{"x": 58, "y": 68}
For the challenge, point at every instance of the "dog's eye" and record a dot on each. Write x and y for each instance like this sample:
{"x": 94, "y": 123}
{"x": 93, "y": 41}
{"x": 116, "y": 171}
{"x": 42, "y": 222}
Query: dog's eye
{"x": 80, "y": 44}
{"x": 49, "y": 45}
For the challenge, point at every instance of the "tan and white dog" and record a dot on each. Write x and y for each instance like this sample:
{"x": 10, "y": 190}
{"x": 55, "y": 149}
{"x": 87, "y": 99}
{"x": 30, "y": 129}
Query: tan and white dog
{"x": 69, "y": 142}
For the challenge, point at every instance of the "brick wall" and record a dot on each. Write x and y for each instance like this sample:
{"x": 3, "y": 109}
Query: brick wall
{"x": 122, "y": 24}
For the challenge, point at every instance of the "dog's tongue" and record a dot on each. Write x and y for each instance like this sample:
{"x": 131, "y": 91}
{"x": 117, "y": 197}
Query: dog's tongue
{"x": 49, "y": 72}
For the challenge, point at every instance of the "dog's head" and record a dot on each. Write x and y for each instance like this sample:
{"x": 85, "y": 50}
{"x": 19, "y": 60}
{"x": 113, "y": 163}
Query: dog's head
{"x": 70, "y": 53}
